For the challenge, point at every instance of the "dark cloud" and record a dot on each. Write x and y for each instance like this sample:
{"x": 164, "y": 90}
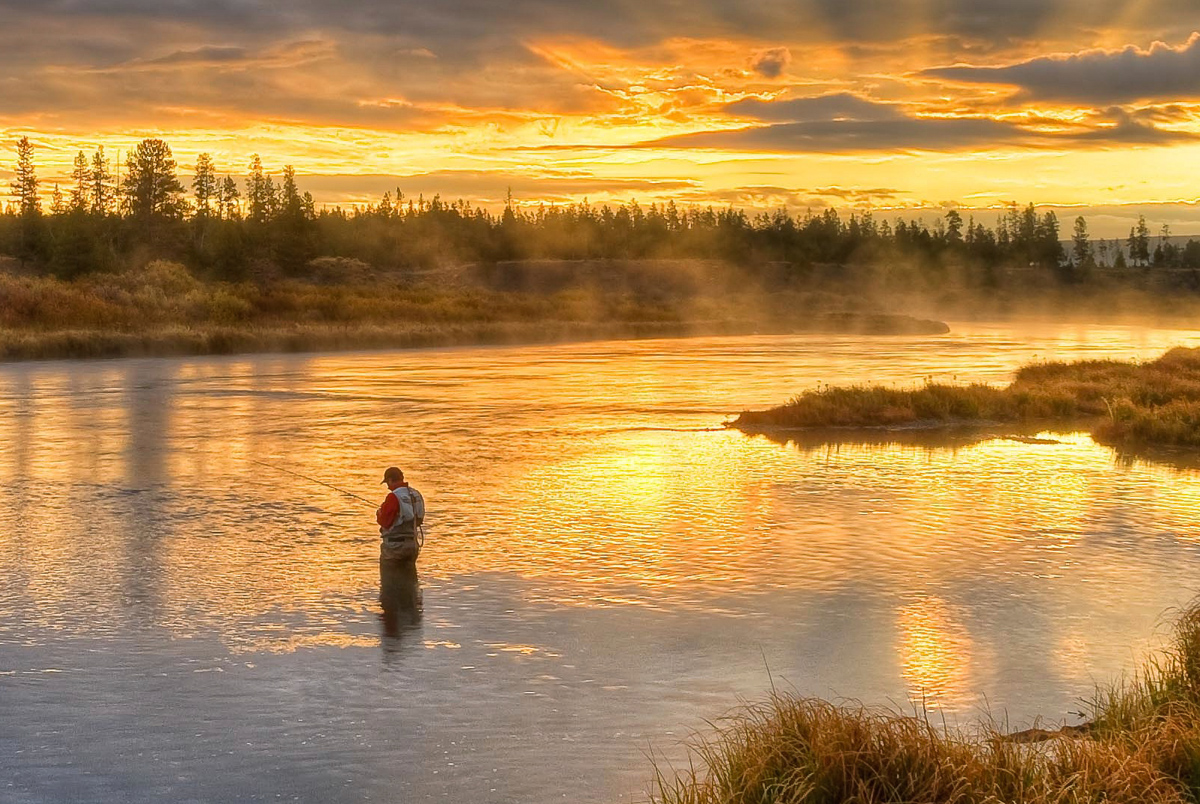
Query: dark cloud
{"x": 1100, "y": 77}
{"x": 202, "y": 55}
{"x": 857, "y": 193}
{"x": 842, "y": 123}
{"x": 466, "y": 28}
{"x": 855, "y": 136}
{"x": 771, "y": 63}
{"x": 838, "y": 106}
{"x": 1128, "y": 130}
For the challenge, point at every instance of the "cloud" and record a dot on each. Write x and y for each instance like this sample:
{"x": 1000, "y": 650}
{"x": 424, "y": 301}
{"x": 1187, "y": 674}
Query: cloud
{"x": 857, "y": 193}
{"x": 289, "y": 54}
{"x": 855, "y": 136}
{"x": 203, "y": 55}
{"x": 486, "y": 186}
{"x": 837, "y": 106}
{"x": 1097, "y": 76}
{"x": 772, "y": 62}
{"x": 846, "y": 123}
{"x": 469, "y": 54}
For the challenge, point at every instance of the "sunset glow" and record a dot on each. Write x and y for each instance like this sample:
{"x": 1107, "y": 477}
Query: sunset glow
{"x": 903, "y": 105}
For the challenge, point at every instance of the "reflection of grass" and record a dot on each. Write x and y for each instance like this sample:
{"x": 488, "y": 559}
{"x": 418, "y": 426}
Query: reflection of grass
{"x": 1143, "y": 746}
{"x": 162, "y": 309}
{"x": 1128, "y": 403}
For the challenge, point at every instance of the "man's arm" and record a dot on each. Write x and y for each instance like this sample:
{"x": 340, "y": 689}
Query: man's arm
{"x": 387, "y": 512}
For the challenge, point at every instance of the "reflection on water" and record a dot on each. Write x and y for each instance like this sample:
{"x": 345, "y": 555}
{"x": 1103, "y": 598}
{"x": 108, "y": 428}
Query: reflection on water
{"x": 606, "y": 566}
{"x": 935, "y": 652}
{"x": 399, "y": 599}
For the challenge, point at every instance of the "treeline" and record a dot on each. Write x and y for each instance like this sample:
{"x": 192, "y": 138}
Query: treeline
{"x": 256, "y": 226}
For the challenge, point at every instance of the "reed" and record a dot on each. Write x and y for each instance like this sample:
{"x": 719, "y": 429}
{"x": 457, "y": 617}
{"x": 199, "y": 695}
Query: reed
{"x": 1152, "y": 403}
{"x": 1143, "y": 745}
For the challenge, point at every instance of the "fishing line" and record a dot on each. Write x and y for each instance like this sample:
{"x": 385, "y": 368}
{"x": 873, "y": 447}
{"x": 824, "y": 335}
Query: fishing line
{"x": 418, "y": 530}
{"x": 314, "y": 480}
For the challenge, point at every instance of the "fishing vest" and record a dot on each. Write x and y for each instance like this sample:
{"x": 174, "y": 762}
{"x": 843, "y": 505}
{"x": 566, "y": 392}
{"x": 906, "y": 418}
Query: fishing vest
{"x": 410, "y": 515}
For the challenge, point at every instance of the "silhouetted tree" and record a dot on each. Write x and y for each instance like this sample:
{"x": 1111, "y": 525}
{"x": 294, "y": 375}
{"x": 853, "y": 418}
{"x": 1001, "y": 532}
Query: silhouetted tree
{"x": 229, "y": 200}
{"x": 25, "y": 183}
{"x": 103, "y": 189}
{"x": 291, "y": 204}
{"x": 81, "y": 183}
{"x": 204, "y": 185}
{"x": 151, "y": 187}
{"x": 258, "y": 193}
{"x": 1082, "y": 249}
{"x": 1139, "y": 243}
{"x": 954, "y": 226}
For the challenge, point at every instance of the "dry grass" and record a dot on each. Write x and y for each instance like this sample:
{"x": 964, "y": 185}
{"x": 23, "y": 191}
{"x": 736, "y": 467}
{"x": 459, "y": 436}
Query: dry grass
{"x": 162, "y": 309}
{"x": 1144, "y": 747}
{"x": 1154, "y": 403}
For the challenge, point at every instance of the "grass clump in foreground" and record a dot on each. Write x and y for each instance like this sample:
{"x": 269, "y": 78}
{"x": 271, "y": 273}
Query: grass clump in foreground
{"x": 1153, "y": 403}
{"x": 1143, "y": 745}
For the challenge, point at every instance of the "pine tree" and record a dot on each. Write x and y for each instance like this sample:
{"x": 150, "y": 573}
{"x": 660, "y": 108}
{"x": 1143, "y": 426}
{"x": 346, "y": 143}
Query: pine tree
{"x": 58, "y": 204}
{"x": 1139, "y": 242}
{"x": 205, "y": 185}
{"x": 151, "y": 187}
{"x": 103, "y": 189}
{"x": 258, "y": 195}
{"x": 271, "y": 197}
{"x": 81, "y": 183}
{"x": 954, "y": 225}
{"x": 229, "y": 195}
{"x": 292, "y": 205}
{"x": 1082, "y": 251}
{"x": 25, "y": 183}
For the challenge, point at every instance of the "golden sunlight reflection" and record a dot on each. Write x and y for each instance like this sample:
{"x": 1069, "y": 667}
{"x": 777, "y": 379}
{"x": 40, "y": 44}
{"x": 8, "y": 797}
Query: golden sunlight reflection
{"x": 934, "y": 651}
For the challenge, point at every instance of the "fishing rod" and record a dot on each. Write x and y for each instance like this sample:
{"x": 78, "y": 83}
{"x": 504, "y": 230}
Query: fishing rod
{"x": 314, "y": 480}
{"x": 418, "y": 529}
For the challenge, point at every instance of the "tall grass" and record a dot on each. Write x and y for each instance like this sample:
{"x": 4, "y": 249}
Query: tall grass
{"x": 163, "y": 309}
{"x": 1157, "y": 402}
{"x": 1143, "y": 746}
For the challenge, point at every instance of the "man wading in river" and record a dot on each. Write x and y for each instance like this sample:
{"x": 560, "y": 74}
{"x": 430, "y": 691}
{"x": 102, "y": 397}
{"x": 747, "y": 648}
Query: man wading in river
{"x": 400, "y": 519}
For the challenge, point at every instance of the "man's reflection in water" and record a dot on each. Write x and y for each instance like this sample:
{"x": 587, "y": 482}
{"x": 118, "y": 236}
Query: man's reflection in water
{"x": 400, "y": 597}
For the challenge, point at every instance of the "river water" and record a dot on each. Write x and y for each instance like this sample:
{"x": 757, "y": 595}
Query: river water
{"x": 606, "y": 567}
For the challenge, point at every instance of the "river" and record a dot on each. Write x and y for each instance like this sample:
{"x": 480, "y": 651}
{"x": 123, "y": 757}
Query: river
{"x": 606, "y": 566}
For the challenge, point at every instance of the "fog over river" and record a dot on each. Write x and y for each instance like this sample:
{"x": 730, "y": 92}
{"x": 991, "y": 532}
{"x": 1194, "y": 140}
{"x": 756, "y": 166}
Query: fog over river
{"x": 606, "y": 566}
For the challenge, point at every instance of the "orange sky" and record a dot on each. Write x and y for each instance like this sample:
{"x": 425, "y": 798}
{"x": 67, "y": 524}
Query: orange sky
{"x": 1093, "y": 107}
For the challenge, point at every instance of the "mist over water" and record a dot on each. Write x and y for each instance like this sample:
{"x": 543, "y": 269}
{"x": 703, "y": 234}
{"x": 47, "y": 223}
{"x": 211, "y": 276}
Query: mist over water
{"x": 606, "y": 567}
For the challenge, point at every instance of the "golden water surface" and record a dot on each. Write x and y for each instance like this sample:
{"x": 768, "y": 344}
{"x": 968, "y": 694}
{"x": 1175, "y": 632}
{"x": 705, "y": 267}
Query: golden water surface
{"x": 606, "y": 565}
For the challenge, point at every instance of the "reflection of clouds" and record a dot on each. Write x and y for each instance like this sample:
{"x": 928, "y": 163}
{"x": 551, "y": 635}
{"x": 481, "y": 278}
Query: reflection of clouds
{"x": 935, "y": 651}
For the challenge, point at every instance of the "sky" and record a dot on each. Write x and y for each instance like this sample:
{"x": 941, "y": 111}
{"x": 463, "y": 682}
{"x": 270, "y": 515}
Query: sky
{"x": 1086, "y": 106}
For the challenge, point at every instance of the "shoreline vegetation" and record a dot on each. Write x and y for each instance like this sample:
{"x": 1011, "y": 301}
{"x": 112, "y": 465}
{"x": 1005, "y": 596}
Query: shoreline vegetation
{"x": 257, "y": 265}
{"x": 164, "y": 310}
{"x": 1140, "y": 743}
{"x": 1124, "y": 404}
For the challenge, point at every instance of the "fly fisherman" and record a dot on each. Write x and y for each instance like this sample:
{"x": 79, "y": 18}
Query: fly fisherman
{"x": 400, "y": 518}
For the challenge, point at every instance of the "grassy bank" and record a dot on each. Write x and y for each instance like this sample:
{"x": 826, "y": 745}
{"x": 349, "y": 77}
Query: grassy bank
{"x": 1137, "y": 404}
{"x": 1142, "y": 745}
{"x": 162, "y": 309}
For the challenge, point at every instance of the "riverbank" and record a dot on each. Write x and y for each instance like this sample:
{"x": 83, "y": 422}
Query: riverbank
{"x": 1156, "y": 403}
{"x": 1141, "y": 743}
{"x": 223, "y": 340}
{"x": 162, "y": 310}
